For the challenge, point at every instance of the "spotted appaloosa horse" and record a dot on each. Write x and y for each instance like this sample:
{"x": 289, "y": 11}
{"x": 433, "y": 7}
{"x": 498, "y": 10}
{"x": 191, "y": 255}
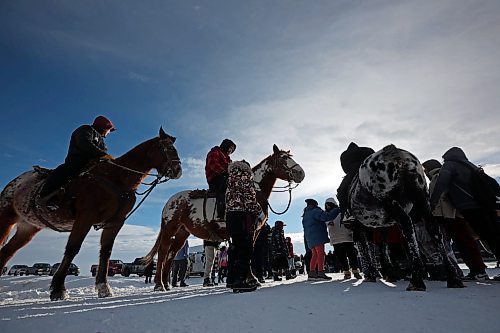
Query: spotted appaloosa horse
{"x": 391, "y": 189}
{"x": 183, "y": 215}
{"x": 102, "y": 197}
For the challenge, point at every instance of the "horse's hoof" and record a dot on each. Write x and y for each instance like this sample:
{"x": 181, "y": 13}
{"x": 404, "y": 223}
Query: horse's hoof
{"x": 61, "y": 295}
{"x": 103, "y": 290}
{"x": 412, "y": 287}
{"x": 455, "y": 284}
{"x": 159, "y": 287}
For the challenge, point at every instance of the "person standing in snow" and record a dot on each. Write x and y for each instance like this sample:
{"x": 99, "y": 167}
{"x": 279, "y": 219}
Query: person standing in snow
{"x": 148, "y": 272}
{"x": 316, "y": 235}
{"x": 179, "y": 266}
{"x": 279, "y": 251}
{"x": 243, "y": 213}
{"x": 341, "y": 239}
{"x": 291, "y": 258}
{"x": 223, "y": 263}
{"x": 455, "y": 178}
{"x": 210, "y": 249}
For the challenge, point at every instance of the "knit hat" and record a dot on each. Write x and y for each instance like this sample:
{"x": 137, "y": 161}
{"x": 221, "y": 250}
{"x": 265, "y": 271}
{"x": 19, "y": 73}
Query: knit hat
{"x": 279, "y": 223}
{"x": 430, "y": 165}
{"x": 332, "y": 201}
{"x": 226, "y": 144}
{"x": 311, "y": 202}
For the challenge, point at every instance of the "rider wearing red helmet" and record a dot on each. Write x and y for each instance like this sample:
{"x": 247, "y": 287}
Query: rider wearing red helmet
{"x": 87, "y": 144}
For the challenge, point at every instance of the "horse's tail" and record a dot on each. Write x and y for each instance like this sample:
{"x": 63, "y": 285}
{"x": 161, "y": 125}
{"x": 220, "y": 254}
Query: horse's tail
{"x": 148, "y": 258}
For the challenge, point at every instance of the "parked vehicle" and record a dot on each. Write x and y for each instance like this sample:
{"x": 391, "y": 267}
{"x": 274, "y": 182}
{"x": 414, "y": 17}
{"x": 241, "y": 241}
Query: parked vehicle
{"x": 72, "y": 269}
{"x": 114, "y": 267}
{"x": 18, "y": 270}
{"x": 136, "y": 267}
{"x": 40, "y": 268}
{"x": 196, "y": 264}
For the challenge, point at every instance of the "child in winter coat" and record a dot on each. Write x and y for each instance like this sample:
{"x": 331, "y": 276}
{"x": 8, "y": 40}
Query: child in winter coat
{"x": 342, "y": 241}
{"x": 316, "y": 235}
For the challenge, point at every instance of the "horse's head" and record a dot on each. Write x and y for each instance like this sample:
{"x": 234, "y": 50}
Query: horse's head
{"x": 164, "y": 156}
{"x": 284, "y": 166}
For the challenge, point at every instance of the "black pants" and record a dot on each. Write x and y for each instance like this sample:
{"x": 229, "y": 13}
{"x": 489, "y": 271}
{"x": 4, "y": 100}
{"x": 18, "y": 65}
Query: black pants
{"x": 59, "y": 176}
{"x": 240, "y": 251}
{"x": 219, "y": 186}
{"x": 259, "y": 259}
{"x": 486, "y": 227}
{"x": 347, "y": 256}
{"x": 179, "y": 269}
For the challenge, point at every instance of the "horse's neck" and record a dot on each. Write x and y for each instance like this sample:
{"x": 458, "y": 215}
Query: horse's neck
{"x": 135, "y": 160}
{"x": 264, "y": 178}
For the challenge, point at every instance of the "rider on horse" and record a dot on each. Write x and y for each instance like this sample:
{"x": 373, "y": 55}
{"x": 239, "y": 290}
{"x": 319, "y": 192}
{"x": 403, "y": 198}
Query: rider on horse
{"x": 87, "y": 144}
{"x": 216, "y": 172}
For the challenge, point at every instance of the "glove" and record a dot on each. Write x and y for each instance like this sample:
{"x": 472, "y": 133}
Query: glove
{"x": 107, "y": 157}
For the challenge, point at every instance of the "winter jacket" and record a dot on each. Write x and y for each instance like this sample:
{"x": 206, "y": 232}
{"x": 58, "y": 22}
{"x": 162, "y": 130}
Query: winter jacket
{"x": 290, "y": 249}
{"x": 313, "y": 222}
{"x": 455, "y": 177}
{"x": 223, "y": 259}
{"x": 216, "y": 163}
{"x": 86, "y": 144}
{"x": 278, "y": 242}
{"x": 240, "y": 193}
{"x": 183, "y": 252}
{"x": 444, "y": 208}
{"x": 337, "y": 231}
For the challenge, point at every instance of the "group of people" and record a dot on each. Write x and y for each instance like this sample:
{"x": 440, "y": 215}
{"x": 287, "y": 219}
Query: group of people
{"x": 452, "y": 199}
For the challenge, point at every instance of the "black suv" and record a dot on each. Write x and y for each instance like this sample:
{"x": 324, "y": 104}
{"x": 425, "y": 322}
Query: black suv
{"x": 72, "y": 269}
{"x": 39, "y": 269}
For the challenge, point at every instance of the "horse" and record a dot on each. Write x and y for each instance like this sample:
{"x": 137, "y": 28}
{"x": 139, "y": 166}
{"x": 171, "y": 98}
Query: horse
{"x": 184, "y": 215}
{"x": 390, "y": 189}
{"x": 101, "y": 197}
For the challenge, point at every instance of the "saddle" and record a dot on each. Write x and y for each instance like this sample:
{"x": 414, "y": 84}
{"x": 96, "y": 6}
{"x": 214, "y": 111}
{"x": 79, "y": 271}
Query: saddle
{"x": 206, "y": 195}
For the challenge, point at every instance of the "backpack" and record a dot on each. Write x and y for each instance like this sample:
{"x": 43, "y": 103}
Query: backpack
{"x": 485, "y": 189}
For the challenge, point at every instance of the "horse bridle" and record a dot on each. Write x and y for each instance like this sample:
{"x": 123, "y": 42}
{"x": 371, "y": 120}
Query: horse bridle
{"x": 289, "y": 187}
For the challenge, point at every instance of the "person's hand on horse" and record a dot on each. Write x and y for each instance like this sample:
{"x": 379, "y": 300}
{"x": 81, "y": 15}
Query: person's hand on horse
{"x": 107, "y": 157}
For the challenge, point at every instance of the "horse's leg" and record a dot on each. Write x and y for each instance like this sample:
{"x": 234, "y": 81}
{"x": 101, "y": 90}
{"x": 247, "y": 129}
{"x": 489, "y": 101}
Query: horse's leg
{"x": 406, "y": 225}
{"x": 176, "y": 244}
{"x": 24, "y": 234}
{"x": 436, "y": 233}
{"x": 75, "y": 240}
{"x": 366, "y": 254}
{"x": 167, "y": 231}
{"x": 8, "y": 219}
{"x": 108, "y": 237}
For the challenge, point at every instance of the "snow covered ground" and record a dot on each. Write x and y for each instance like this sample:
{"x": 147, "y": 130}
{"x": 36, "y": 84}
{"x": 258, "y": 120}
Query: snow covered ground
{"x": 288, "y": 306}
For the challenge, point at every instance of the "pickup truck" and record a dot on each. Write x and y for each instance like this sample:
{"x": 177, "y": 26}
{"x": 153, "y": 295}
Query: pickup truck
{"x": 114, "y": 267}
{"x": 39, "y": 269}
{"x": 135, "y": 267}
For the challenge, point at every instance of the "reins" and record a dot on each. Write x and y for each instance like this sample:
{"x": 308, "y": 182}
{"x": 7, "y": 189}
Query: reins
{"x": 151, "y": 185}
{"x": 288, "y": 188}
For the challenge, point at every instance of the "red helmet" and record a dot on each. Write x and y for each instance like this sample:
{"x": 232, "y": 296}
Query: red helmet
{"x": 103, "y": 123}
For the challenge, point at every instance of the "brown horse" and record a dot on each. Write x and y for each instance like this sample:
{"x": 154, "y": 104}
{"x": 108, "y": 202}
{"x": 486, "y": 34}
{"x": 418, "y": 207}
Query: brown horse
{"x": 102, "y": 197}
{"x": 183, "y": 215}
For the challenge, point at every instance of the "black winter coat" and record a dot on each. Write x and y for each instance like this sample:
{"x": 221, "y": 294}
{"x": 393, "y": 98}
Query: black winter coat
{"x": 455, "y": 179}
{"x": 86, "y": 144}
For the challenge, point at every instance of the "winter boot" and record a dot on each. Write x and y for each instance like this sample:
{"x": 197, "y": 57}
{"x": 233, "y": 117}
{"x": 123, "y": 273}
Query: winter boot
{"x": 356, "y": 274}
{"x": 312, "y": 276}
{"x": 207, "y": 282}
{"x": 322, "y": 276}
{"x": 347, "y": 275}
{"x": 276, "y": 277}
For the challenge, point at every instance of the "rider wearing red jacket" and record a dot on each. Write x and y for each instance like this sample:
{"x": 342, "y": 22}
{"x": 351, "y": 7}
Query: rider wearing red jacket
{"x": 216, "y": 172}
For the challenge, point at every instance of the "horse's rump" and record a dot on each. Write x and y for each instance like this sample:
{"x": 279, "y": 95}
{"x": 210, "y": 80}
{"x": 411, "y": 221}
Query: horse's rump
{"x": 23, "y": 191}
{"x": 388, "y": 175}
{"x": 181, "y": 207}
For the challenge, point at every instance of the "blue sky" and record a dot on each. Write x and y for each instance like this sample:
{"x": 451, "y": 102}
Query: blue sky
{"x": 309, "y": 76}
